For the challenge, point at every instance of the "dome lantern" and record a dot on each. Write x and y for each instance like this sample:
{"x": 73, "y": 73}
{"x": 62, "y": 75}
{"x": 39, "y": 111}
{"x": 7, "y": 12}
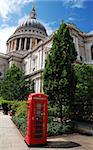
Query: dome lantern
{"x": 33, "y": 13}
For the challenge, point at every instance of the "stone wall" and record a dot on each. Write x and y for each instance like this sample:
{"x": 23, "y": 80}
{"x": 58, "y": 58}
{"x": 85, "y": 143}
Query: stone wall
{"x": 3, "y": 65}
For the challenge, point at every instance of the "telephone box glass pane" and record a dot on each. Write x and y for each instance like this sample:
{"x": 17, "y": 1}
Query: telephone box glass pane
{"x": 39, "y": 120}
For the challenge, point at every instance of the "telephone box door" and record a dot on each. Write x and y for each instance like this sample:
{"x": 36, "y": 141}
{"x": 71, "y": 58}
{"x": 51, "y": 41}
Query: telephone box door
{"x": 39, "y": 127}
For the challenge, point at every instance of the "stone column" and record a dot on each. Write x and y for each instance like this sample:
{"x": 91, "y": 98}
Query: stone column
{"x": 20, "y": 44}
{"x": 25, "y": 43}
{"x": 77, "y": 48}
{"x": 15, "y": 44}
{"x": 9, "y": 47}
{"x": 35, "y": 42}
{"x": 30, "y": 43}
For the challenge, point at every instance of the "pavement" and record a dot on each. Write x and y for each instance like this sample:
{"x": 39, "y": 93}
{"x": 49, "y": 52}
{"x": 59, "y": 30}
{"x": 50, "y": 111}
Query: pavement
{"x": 11, "y": 139}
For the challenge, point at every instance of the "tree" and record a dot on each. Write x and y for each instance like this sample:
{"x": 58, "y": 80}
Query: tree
{"x": 14, "y": 86}
{"x": 59, "y": 76}
{"x": 0, "y": 87}
{"x": 84, "y": 92}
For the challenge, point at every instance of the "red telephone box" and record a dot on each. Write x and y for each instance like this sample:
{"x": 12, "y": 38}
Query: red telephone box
{"x": 37, "y": 119}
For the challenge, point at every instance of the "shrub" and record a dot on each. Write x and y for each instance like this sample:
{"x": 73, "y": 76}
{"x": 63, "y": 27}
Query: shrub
{"x": 53, "y": 111}
{"x": 20, "y": 123}
{"x": 15, "y": 106}
{"x": 19, "y": 117}
{"x": 58, "y": 128}
{"x": 6, "y": 105}
{"x": 55, "y": 127}
{"x": 82, "y": 107}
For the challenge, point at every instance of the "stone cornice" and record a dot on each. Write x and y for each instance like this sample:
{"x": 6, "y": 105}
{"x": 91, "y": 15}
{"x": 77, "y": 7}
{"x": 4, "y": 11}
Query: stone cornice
{"x": 89, "y": 35}
{"x": 70, "y": 26}
{"x": 15, "y": 56}
{"x": 15, "y": 59}
{"x": 25, "y": 36}
{"x": 5, "y": 56}
{"x": 83, "y": 34}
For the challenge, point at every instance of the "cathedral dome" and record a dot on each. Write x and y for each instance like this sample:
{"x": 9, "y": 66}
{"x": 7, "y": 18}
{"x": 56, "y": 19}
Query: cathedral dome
{"x": 27, "y": 35}
{"x": 32, "y": 22}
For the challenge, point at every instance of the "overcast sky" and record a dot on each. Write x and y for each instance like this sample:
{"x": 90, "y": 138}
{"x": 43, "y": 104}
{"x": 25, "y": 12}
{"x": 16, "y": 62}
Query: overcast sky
{"x": 49, "y": 12}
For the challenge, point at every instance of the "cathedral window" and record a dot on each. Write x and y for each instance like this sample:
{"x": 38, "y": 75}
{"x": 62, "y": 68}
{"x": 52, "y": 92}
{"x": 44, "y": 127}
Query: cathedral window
{"x": 24, "y": 67}
{"x": 81, "y": 58}
{"x": 46, "y": 54}
{"x": 92, "y": 52}
{"x": 34, "y": 62}
{"x": 28, "y": 43}
{"x": 22, "y": 43}
{"x": 0, "y": 73}
{"x": 17, "y": 45}
{"x": 38, "y": 40}
{"x": 34, "y": 81}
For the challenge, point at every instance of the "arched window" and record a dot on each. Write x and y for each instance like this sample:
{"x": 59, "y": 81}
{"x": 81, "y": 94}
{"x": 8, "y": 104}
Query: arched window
{"x": 92, "y": 52}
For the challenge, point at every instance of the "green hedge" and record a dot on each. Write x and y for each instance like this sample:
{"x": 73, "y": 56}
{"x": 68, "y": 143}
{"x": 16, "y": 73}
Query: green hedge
{"x": 54, "y": 126}
{"x": 6, "y": 105}
{"x": 19, "y": 117}
{"x": 20, "y": 122}
{"x": 19, "y": 112}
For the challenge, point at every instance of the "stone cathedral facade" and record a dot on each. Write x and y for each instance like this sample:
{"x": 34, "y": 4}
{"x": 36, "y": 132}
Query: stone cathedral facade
{"x": 29, "y": 45}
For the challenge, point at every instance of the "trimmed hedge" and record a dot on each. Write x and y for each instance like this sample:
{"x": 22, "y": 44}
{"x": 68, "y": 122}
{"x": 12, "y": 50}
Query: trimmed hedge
{"x": 54, "y": 126}
{"x": 6, "y": 105}
{"x": 19, "y": 117}
{"x": 19, "y": 113}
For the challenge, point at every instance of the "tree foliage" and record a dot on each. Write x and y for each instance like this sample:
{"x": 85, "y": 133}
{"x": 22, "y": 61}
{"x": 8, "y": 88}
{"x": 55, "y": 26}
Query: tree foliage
{"x": 14, "y": 86}
{"x": 59, "y": 77}
{"x": 84, "y": 92}
{"x": 0, "y": 86}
